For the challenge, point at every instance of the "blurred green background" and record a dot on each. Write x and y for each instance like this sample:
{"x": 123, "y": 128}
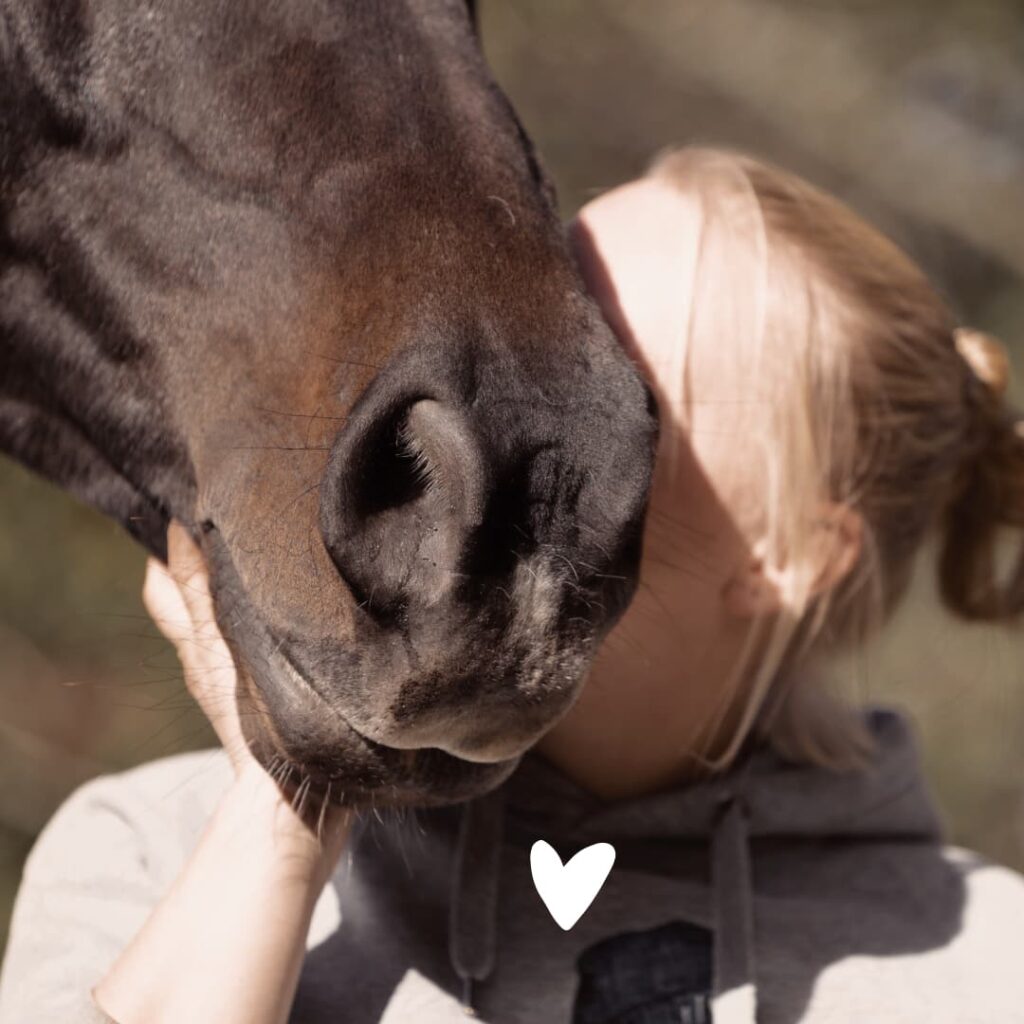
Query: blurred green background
{"x": 912, "y": 111}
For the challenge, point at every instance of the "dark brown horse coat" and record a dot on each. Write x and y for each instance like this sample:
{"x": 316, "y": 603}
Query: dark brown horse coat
{"x": 290, "y": 273}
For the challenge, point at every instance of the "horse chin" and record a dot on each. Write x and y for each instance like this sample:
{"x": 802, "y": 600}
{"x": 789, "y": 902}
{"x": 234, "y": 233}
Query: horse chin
{"x": 356, "y": 772}
{"x": 366, "y": 759}
{"x": 314, "y": 747}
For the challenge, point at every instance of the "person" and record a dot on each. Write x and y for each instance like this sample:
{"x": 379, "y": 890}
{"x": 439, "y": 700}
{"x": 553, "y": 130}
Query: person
{"x": 778, "y": 856}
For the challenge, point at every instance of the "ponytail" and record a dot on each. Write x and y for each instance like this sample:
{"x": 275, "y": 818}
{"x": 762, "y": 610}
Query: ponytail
{"x": 988, "y": 494}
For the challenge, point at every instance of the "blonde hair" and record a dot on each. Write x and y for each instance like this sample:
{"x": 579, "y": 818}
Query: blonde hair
{"x": 858, "y": 389}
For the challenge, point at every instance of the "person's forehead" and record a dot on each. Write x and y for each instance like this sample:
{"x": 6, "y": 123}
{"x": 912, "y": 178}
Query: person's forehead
{"x": 646, "y": 210}
{"x": 643, "y": 233}
{"x": 644, "y": 236}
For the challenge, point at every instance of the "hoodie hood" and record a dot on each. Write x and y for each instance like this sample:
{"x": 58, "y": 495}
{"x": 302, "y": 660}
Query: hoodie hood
{"x": 760, "y": 797}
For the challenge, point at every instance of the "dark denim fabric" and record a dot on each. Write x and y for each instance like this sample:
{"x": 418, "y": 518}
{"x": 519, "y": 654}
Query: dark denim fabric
{"x": 662, "y": 976}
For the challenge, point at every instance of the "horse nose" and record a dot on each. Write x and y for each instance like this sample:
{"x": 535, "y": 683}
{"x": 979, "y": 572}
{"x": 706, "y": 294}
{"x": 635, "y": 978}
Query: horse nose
{"x": 455, "y": 468}
{"x": 404, "y": 488}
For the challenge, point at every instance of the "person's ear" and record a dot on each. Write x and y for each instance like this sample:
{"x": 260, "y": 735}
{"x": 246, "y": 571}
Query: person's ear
{"x": 840, "y": 530}
{"x": 754, "y": 591}
{"x": 757, "y": 590}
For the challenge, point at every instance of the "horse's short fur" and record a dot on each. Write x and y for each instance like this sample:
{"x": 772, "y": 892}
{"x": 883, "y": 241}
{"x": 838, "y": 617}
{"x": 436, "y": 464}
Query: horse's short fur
{"x": 289, "y": 271}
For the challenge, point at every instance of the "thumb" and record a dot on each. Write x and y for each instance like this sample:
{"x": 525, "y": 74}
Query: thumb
{"x": 188, "y": 568}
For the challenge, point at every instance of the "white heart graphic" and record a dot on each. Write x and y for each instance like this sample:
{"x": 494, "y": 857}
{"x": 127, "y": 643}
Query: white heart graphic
{"x": 568, "y": 889}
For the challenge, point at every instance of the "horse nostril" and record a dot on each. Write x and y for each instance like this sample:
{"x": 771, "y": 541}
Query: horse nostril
{"x": 447, "y": 457}
{"x": 395, "y": 472}
{"x": 402, "y": 491}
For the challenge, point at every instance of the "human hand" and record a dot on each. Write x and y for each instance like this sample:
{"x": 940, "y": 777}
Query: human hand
{"x": 226, "y": 941}
{"x": 177, "y": 597}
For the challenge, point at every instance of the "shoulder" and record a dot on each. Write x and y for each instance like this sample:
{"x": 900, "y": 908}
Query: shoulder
{"x": 154, "y": 812}
{"x": 993, "y": 908}
{"x": 95, "y": 874}
{"x": 899, "y": 931}
{"x": 967, "y": 952}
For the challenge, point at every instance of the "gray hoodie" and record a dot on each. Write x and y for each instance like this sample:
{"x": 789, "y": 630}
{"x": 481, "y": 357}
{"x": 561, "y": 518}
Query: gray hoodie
{"x": 827, "y": 898}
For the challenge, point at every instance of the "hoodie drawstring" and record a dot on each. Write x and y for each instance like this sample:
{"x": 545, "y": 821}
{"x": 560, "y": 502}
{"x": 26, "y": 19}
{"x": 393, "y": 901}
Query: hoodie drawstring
{"x": 733, "y": 996}
{"x": 472, "y": 923}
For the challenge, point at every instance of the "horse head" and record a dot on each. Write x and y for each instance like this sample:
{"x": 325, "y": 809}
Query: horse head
{"x": 291, "y": 274}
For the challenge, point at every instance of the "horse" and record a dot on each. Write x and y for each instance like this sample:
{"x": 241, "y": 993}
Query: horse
{"x": 290, "y": 272}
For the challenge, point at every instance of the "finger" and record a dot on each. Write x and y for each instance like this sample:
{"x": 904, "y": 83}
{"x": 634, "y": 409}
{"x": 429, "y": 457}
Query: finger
{"x": 188, "y": 567}
{"x": 203, "y": 657}
{"x": 186, "y": 564}
{"x": 163, "y": 599}
{"x": 178, "y": 599}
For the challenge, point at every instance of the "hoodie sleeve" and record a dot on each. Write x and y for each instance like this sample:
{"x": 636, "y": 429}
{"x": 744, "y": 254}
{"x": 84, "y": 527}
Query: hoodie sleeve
{"x": 92, "y": 879}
